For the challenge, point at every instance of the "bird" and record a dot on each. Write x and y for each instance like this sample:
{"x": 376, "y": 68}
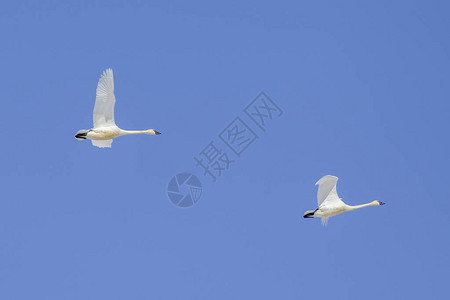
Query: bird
{"x": 329, "y": 202}
{"x": 105, "y": 128}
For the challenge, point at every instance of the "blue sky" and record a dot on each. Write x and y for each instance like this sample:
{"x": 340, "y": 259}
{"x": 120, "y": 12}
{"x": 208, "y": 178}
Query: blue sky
{"x": 364, "y": 92}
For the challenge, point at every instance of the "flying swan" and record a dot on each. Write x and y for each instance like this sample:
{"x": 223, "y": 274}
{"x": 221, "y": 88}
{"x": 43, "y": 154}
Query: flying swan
{"x": 329, "y": 202}
{"x": 105, "y": 129}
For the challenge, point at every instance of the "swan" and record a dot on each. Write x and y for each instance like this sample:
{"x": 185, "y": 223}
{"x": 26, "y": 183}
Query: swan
{"x": 105, "y": 129}
{"x": 329, "y": 202}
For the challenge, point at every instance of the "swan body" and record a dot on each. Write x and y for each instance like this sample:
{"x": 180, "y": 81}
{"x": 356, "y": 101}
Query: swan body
{"x": 329, "y": 202}
{"x": 105, "y": 128}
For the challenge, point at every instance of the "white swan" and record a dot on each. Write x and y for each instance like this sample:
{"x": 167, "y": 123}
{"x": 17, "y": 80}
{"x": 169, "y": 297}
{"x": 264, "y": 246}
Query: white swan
{"x": 105, "y": 129}
{"x": 329, "y": 202}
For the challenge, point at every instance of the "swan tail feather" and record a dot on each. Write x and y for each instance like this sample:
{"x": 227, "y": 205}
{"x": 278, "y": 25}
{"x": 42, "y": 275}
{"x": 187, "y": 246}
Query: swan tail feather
{"x": 324, "y": 221}
{"x": 102, "y": 143}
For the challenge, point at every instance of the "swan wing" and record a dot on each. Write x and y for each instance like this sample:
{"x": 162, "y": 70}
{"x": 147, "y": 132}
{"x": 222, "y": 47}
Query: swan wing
{"x": 105, "y": 100}
{"x": 327, "y": 190}
{"x": 102, "y": 143}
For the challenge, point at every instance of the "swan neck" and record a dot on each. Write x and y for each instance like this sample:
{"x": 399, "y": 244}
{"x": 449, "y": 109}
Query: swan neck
{"x": 353, "y": 207}
{"x": 126, "y": 132}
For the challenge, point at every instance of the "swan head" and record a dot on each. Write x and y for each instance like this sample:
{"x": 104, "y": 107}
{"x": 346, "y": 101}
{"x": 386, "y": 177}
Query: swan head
{"x": 153, "y": 131}
{"x": 378, "y": 202}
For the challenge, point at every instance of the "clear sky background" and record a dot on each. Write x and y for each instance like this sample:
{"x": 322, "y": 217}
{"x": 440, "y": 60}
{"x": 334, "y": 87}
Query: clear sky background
{"x": 364, "y": 89}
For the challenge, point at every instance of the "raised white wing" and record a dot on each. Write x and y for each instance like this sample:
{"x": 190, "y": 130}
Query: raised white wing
{"x": 102, "y": 143}
{"x": 105, "y": 100}
{"x": 327, "y": 190}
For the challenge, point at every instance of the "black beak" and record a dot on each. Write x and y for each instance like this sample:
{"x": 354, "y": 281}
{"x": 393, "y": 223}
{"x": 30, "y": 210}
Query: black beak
{"x": 381, "y": 203}
{"x": 156, "y": 132}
